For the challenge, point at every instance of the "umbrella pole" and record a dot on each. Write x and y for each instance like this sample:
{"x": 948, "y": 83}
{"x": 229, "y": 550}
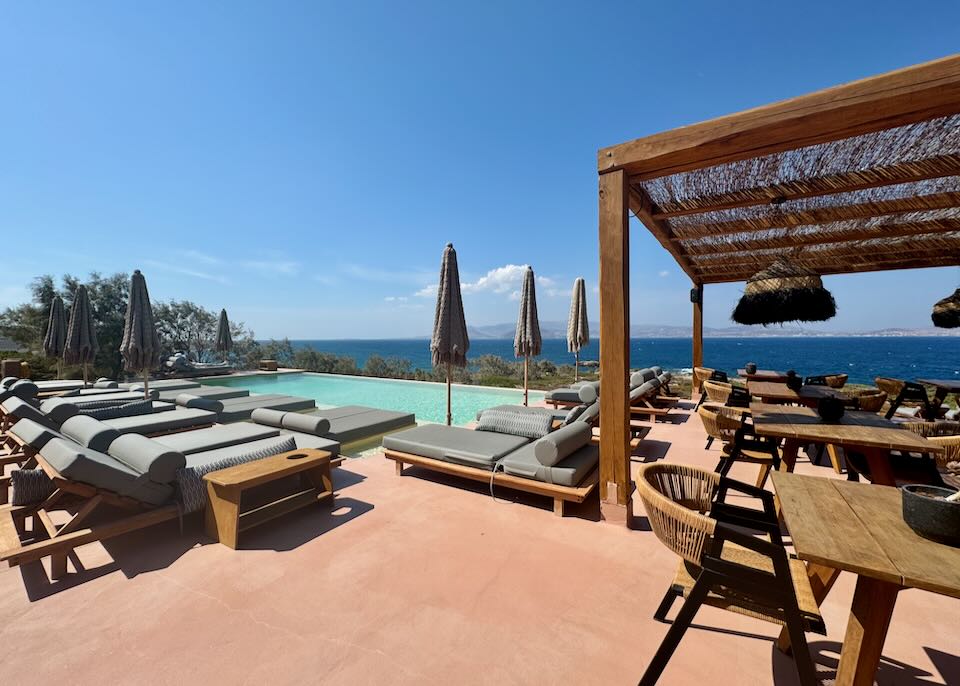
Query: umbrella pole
{"x": 526, "y": 363}
{"x": 576, "y": 366}
{"x": 449, "y": 413}
{"x": 59, "y": 369}
{"x": 146, "y": 384}
{"x": 84, "y": 374}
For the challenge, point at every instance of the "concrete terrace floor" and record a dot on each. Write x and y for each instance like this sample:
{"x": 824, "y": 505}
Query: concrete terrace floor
{"x": 419, "y": 580}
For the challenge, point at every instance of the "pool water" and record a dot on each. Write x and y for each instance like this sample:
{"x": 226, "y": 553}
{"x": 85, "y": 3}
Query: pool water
{"x": 427, "y": 400}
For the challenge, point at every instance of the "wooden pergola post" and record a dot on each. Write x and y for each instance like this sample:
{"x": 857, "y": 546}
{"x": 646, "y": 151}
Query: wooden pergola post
{"x": 616, "y": 488}
{"x": 696, "y": 295}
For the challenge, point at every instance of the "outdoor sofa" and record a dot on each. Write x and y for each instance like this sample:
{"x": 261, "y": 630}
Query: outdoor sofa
{"x": 514, "y": 447}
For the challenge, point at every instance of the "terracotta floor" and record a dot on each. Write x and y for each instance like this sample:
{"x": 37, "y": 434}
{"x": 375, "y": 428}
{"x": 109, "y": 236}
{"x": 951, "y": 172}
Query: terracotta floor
{"x": 413, "y": 580}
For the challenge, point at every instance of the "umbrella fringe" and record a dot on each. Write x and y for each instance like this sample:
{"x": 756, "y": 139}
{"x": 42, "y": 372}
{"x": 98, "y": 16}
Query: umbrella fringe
{"x": 785, "y": 305}
{"x": 946, "y": 313}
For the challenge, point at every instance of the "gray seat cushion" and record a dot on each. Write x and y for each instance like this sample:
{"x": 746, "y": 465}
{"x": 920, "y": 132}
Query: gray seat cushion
{"x": 361, "y": 426}
{"x": 570, "y": 471}
{"x": 33, "y": 433}
{"x": 89, "y": 432}
{"x": 220, "y": 436}
{"x": 145, "y": 456}
{"x": 90, "y": 467}
{"x": 454, "y": 444}
{"x": 165, "y": 421}
{"x": 18, "y": 409}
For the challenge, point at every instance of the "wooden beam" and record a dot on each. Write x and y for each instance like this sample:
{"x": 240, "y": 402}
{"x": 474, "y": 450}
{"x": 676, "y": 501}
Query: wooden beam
{"x": 697, "y": 334}
{"x": 641, "y": 207}
{"x": 931, "y": 229}
{"x": 901, "y": 97}
{"x": 817, "y": 259}
{"x": 720, "y": 276}
{"x": 789, "y": 218}
{"x": 816, "y": 187}
{"x": 615, "y": 483}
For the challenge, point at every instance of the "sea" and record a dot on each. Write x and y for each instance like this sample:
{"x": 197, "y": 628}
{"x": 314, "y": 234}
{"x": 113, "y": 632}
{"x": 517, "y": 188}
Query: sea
{"x": 863, "y": 358}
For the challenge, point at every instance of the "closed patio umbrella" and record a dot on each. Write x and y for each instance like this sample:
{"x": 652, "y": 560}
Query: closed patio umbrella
{"x": 578, "y": 330}
{"x": 450, "y": 342}
{"x": 140, "y": 347}
{"x": 56, "y": 336}
{"x": 223, "y": 342}
{"x": 527, "y": 340}
{"x": 81, "y": 346}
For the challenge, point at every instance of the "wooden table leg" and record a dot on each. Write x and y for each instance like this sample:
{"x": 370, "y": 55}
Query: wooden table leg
{"x": 821, "y": 581}
{"x": 881, "y": 473}
{"x": 873, "y": 603}
{"x": 788, "y": 457}
{"x": 222, "y": 518}
{"x": 320, "y": 480}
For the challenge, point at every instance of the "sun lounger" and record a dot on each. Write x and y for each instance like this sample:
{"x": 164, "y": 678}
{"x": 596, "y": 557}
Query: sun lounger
{"x": 210, "y": 392}
{"x": 347, "y": 424}
{"x": 162, "y": 385}
{"x": 147, "y": 481}
{"x": 523, "y": 454}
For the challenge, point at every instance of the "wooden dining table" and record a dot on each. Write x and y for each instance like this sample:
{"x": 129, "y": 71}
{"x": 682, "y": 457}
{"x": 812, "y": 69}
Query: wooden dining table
{"x": 762, "y": 375}
{"x": 944, "y": 388}
{"x": 842, "y": 526}
{"x": 866, "y": 432}
{"x": 778, "y": 392}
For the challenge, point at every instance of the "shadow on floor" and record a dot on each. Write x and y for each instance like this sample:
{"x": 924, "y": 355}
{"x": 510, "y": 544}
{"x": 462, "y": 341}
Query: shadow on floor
{"x": 650, "y": 451}
{"x": 826, "y": 656}
{"x": 160, "y": 546}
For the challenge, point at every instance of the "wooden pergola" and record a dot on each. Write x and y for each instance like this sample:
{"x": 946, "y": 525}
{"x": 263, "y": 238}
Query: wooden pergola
{"x": 860, "y": 177}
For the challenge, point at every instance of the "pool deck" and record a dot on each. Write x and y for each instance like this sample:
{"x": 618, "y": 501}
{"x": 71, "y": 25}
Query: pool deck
{"x": 420, "y": 579}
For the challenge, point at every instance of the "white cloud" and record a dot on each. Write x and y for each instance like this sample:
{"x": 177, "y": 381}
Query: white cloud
{"x": 427, "y": 292}
{"x": 500, "y": 280}
{"x": 396, "y": 298}
{"x": 663, "y": 274}
{"x": 185, "y": 271}
{"x": 198, "y": 256}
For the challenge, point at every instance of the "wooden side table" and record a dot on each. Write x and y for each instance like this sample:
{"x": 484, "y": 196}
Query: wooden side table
{"x": 224, "y": 518}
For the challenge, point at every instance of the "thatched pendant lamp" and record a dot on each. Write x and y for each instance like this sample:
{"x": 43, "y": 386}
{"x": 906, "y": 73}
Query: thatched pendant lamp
{"x": 946, "y": 313}
{"x": 784, "y": 292}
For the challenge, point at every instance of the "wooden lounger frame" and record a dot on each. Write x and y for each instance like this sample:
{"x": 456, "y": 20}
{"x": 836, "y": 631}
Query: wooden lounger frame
{"x": 560, "y": 494}
{"x": 46, "y": 539}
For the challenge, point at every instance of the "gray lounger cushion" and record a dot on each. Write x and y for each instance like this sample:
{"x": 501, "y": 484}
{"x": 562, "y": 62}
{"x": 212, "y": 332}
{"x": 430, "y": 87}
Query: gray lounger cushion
{"x": 8, "y": 381}
{"x": 89, "y": 432}
{"x": 220, "y": 436}
{"x": 105, "y": 383}
{"x": 131, "y": 409}
{"x": 657, "y": 370}
{"x": 664, "y": 379}
{"x": 531, "y": 423}
{"x": 361, "y": 426}
{"x": 161, "y": 422}
{"x": 149, "y": 457}
{"x": 306, "y": 423}
{"x": 564, "y": 395}
{"x": 568, "y": 472}
{"x": 87, "y": 466}
{"x": 644, "y": 390}
{"x": 475, "y": 448}
{"x": 34, "y": 434}
{"x": 195, "y": 401}
{"x": 24, "y": 388}
{"x": 265, "y": 446}
{"x": 267, "y": 417}
{"x": 21, "y": 409}
{"x": 590, "y": 414}
{"x": 553, "y": 448}
{"x": 305, "y": 441}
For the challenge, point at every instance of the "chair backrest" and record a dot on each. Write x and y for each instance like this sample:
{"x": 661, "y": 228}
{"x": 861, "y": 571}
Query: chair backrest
{"x": 719, "y": 375}
{"x": 946, "y": 434}
{"x": 837, "y": 380}
{"x": 871, "y": 400}
{"x": 701, "y": 374}
{"x": 815, "y": 381}
{"x": 717, "y": 392}
{"x": 891, "y": 387}
{"x": 676, "y": 498}
{"x": 720, "y": 422}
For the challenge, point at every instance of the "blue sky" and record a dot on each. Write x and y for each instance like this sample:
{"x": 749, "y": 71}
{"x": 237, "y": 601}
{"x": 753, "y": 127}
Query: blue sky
{"x": 303, "y": 163}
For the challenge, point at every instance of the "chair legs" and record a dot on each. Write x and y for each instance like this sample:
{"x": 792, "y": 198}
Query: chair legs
{"x": 672, "y": 594}
{"x": 709, "y": 443}
{"x": 670, "y": 642}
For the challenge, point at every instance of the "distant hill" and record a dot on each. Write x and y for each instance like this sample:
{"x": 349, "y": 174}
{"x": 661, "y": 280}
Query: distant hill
{"x": 553, "y": 329}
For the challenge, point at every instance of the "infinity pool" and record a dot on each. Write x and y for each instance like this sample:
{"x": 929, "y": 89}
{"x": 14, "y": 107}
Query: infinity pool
{"x": 427, "y": 400}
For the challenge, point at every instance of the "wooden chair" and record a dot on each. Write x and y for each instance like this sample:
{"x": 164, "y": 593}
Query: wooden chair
{"x": 700, "y": 375}
{"x": 947, "y": 435}
{"x": 720, "y": 423}
{"x": 907, "y": 394}
{"x": 721, "y": 565}
{"x": 869, "y": 400}
{"x": 740, "y": 443}
{"x": 717, "y": 391}
{"x": 837, "y": 380}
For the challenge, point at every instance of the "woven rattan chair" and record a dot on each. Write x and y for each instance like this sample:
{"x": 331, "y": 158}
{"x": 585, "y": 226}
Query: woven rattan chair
{"x": 870, "y": 400}
{"x": 723, "y": 566}
{"x": 908, "y": 394}
{"x": 837, "y": 380}
{"x": 717, "y": 391}
{"x": 945, "y": 434}
{"x": 740, "y": 443}
{"x": 720, "y": 423}
{"x": 700, "y": 375}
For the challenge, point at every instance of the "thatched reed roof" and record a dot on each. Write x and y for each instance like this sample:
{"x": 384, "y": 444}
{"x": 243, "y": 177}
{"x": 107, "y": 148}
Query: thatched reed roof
{"x": 861, "y": 177}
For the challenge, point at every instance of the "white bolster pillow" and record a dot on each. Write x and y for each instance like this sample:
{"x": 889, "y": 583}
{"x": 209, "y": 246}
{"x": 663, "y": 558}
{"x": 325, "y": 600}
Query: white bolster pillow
{"x": 267, "y": 417}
